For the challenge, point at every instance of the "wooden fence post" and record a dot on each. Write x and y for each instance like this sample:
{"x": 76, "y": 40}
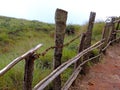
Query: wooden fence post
{"x": 118, "y": 24}
{"x": 81, "y": 47}
{"x": 105, "y": 36}
{"x": 112, "y": 33}
{"x": 60, "y": 20}
{"x": 88, "y": 38}
{"x": 28, "y": 74}
{"x": 117, "y": 27}
{"x": 89, "y": 32}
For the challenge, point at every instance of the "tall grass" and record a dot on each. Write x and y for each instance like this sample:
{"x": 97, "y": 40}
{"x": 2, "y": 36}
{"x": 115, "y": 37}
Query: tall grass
{"x": 20, "y": 36}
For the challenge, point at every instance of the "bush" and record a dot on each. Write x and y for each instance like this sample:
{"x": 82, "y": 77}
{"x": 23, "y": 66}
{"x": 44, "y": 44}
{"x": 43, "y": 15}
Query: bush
{"x": 72, "y": 29}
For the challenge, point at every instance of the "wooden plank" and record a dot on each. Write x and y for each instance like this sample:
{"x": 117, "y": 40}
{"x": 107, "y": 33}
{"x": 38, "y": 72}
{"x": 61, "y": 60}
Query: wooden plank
{"x": 60, "y": 20}
{"x": 42, "y": 84}
{"x": 18, "y": 59}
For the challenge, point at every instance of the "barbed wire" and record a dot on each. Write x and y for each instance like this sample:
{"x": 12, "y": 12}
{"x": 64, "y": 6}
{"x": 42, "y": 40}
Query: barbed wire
{"x": 52, "y": 47}
{"x": 108, "y": 20}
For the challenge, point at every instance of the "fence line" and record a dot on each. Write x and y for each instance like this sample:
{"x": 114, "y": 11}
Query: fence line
{"x": 108, "y": 37}
{"x": 106, "y": 41}
{"x": 41, "y": 85}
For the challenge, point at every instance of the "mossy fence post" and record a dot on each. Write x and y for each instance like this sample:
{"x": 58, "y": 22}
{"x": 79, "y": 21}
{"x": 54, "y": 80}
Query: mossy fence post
{"x": 28, "y": 74}
{"x": 88, "y": 38}
{"x": 60, "y": 20}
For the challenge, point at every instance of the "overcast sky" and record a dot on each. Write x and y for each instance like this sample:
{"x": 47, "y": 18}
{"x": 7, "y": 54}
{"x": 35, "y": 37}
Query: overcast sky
{"x": 44, "y": 10}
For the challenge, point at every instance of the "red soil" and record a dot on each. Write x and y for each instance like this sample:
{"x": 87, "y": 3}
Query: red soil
{"x": 104, "y": 75}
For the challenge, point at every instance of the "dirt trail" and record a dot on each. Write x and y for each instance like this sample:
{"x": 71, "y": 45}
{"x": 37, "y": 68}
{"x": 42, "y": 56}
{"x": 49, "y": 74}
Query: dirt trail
{"x": 104, "y": 75}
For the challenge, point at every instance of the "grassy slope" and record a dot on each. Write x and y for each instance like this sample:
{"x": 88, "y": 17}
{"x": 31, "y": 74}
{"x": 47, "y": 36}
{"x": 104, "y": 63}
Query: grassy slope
{"x": 18, "y": 36}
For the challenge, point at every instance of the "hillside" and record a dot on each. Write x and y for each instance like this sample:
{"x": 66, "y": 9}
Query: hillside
{"x": 11, "y": 27}
{"x": 18, "y": 36}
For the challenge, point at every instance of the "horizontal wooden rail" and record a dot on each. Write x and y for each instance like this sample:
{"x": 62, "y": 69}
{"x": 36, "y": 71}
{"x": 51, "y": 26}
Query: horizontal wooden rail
{"x": 75, "y": 73}
{"x": 42, "y": 84}
{"x": 116, "y": 21}
{"x": 18, "y": 59}
{"x": 117, "y": 31}
{"x": 110, "y": 43}
{"x": 72, "y": 78}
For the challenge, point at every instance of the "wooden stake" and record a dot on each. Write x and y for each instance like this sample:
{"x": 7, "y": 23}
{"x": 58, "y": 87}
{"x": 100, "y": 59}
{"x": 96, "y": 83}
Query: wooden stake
{"x": 81, "y": 47}
{"x": 105, "y": 36}
{"x": 88, "y": 38}
{"x": 28, "y": 75}
{"x": 112, "y": 33}
{"x": 60, "y": 20}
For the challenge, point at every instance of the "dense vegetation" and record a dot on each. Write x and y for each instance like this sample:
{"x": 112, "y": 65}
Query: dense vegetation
{"x": 18, "y": 36}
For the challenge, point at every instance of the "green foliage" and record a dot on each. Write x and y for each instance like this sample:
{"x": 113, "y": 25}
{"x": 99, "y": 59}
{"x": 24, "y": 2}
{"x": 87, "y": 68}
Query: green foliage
{"x": 16, "y": 37}
{"x": 72, "y": 29}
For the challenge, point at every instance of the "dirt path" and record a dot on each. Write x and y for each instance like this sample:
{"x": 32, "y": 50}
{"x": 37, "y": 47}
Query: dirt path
{"x": 104, "y": 75}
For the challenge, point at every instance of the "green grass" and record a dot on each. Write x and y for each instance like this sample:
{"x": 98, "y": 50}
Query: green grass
{"x": 17, "y": 36}
{"x": 14, "y": 43}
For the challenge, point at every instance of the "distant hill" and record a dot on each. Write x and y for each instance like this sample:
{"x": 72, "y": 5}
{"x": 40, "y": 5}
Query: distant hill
{"x": 13, "y": 28}
{"x": 21, "y": 24}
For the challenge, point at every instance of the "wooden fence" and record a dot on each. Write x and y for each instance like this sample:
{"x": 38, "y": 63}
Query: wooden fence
{"x": 109, "y": 36}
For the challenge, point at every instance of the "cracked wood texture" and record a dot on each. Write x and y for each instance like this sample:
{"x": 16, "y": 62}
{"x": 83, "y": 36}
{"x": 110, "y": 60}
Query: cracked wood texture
{"x": 60, "y": 20}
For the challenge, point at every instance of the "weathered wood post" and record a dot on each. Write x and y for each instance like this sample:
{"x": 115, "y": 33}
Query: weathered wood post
{"x": 89, "y": 30}
{"x": 118, "y": 24}
{"x": 60, "y": 20}
{"x": 105, "y": 36}
{"x": 88, "y": 38}
{"x": 28, "y": 74}
{"x": 113, "y": 32}
{"x": 117, "y": 27}
{"x": 81, "y": 47}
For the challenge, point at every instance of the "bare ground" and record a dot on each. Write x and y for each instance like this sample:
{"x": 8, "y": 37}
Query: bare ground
{"x": 104, "y": 75}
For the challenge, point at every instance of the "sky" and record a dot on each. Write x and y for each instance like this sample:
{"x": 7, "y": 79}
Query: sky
{"x": 44, "y": 10}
